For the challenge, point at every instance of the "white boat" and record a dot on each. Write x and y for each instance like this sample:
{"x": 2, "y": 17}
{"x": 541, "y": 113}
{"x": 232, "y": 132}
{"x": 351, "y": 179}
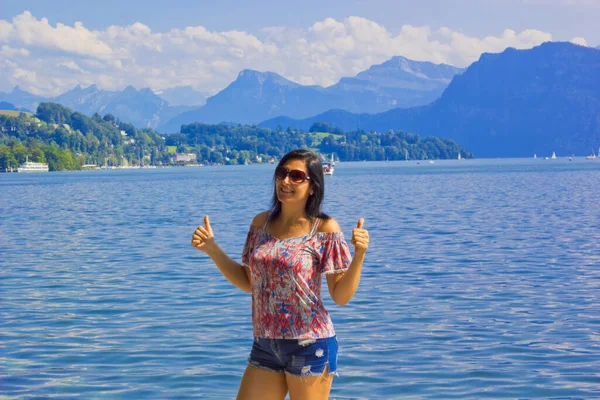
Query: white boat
{"x": 593, "y": 156}
{"x": 553, "y": 156}
{"x": 534, "y": 155}
{"x": 28, "y": 166}
{"x": 90, "y": 167}
{"x": 459, "y": 157}
{"x": 328, "y": 167}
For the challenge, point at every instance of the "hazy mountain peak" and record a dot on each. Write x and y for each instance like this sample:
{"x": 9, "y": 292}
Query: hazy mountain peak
{"x": 79, "y": 90}
{"x": 400, "y": 67}
{"x": 258, "y": 77}
{"x": 253, "y": 74}
{"x": 182, "y": 96}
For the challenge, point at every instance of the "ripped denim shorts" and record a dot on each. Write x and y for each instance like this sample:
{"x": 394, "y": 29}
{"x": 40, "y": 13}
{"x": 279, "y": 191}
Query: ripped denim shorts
{"x": 300, "y": 357}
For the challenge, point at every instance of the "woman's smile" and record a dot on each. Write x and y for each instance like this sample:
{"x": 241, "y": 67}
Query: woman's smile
{"x": 285, "y": 190}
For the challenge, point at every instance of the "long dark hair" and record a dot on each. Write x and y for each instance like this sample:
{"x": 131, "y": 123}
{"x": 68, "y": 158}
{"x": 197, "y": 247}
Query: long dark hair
{"x": 317, "y": 182}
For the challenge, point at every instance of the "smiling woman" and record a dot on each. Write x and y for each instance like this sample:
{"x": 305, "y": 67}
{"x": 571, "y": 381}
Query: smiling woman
{"x": 288, "y": 250}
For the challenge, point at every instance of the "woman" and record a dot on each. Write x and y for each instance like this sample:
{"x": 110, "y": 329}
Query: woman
{"x": 287, "y": 251}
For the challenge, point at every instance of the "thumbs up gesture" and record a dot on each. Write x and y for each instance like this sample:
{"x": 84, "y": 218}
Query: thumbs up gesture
{"x": 360, "y": 237}
{"x": 203, "y": 237}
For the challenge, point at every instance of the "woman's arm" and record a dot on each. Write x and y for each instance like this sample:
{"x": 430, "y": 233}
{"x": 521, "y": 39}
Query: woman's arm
{"x": 203, "y": 239}
{"x": 342, "y": 286}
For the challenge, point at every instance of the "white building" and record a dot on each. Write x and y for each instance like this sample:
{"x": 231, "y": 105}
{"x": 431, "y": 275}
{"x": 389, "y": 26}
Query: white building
{"x": 182, "y": 158}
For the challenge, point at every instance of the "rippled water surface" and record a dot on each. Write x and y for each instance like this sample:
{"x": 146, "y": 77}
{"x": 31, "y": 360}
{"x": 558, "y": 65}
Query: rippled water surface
{"x": 482, "y": 281}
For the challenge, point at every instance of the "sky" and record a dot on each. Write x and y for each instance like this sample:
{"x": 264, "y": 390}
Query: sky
{"x": 49, "y": 47}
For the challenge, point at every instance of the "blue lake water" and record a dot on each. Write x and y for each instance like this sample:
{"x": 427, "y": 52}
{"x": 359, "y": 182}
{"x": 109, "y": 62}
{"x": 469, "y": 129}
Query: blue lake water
{"x": 482, "y": 281}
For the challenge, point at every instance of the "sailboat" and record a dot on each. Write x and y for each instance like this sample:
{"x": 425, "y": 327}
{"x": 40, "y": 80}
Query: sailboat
{"x": 459, "y": 157}
{"x": 328, "y": 167}
{"x": 534, "y": 155}
{"x": 553, "y": 156}
{"x": 593, "y": 156}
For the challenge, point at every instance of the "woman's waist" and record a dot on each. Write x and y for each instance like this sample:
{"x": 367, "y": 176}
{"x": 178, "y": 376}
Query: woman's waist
{"x": 302, "y": 341}
{"x": 302, "y": 336}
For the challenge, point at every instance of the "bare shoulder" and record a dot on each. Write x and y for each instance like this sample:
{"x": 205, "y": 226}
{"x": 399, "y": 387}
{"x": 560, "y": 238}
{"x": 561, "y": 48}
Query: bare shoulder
{"x": 260, "y": 218}
{"x": 329, "y": 225}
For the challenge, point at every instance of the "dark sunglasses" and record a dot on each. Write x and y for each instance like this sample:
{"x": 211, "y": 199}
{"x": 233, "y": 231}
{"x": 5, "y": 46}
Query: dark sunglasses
{"x": 296, "y": 176}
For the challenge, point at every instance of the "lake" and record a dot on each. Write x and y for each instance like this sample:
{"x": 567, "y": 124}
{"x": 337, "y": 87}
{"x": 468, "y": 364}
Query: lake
{"x": 482, "y": 281}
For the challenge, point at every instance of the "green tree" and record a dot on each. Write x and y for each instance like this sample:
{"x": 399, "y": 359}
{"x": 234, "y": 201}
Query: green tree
{"x": 321, "y": 127}
{"x": 7, "y": 158}
{"x": 53, "y": 113}
{"x": 37, "y": 155}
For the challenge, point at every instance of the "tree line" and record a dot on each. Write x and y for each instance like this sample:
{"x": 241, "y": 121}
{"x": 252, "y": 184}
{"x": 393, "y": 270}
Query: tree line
{"x": 68, "y": 140}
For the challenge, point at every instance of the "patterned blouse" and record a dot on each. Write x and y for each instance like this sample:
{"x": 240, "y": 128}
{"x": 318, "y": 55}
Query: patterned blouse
{"x": 286, "y": 282}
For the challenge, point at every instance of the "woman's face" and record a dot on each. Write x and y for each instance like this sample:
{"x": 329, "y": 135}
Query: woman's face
{"x": 289, "y": 192}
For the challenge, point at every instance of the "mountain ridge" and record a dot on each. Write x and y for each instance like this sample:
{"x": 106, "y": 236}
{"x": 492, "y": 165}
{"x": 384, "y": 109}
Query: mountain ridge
{"x": 514, "y": 103}
{"x": 256, "y": 95}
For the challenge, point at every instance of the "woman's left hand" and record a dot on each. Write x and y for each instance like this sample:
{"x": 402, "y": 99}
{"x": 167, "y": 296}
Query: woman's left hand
{"x": 360, "y": 237}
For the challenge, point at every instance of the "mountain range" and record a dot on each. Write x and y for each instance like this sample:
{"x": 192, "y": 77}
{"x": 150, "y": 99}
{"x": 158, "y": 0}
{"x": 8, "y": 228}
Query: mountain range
{"x": 255, "y": 96}
{"x": 143, "y": 108}
{"x": 512, "y": 104}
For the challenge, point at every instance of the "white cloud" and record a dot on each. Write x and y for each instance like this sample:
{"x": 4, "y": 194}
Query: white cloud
{"x": 13, "y": 52}
{"x": 71, "y": 65}
{"x": 209, "y": 60}
{"x": 579, "y": 40}
{"x": 31, "y": 32}
{"x": 5, "y": 30}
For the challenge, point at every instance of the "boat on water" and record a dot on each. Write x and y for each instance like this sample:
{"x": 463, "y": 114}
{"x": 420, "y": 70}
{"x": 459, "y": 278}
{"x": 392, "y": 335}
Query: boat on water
{"x": 329, "y": 167}
{"x": 90, "y": 167}
{"x": 553, "y": 156}
{"x": 30, "y": 166}
{"x": 593, "y": 156}
{"x": 459, "y": 157}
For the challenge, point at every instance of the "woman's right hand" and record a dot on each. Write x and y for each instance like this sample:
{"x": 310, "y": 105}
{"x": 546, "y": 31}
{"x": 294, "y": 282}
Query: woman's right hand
{"x": 203, "y": 237}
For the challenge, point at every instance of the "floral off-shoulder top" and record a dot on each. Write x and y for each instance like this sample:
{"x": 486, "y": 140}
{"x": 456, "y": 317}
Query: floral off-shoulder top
{"x": 286, "y": 281}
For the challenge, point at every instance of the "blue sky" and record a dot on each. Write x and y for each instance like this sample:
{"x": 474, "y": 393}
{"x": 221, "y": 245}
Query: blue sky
{"x": 204, "y": 44}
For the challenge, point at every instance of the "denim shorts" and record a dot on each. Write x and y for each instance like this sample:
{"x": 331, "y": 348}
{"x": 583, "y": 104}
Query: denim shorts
{"x": 301, "y": 357}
